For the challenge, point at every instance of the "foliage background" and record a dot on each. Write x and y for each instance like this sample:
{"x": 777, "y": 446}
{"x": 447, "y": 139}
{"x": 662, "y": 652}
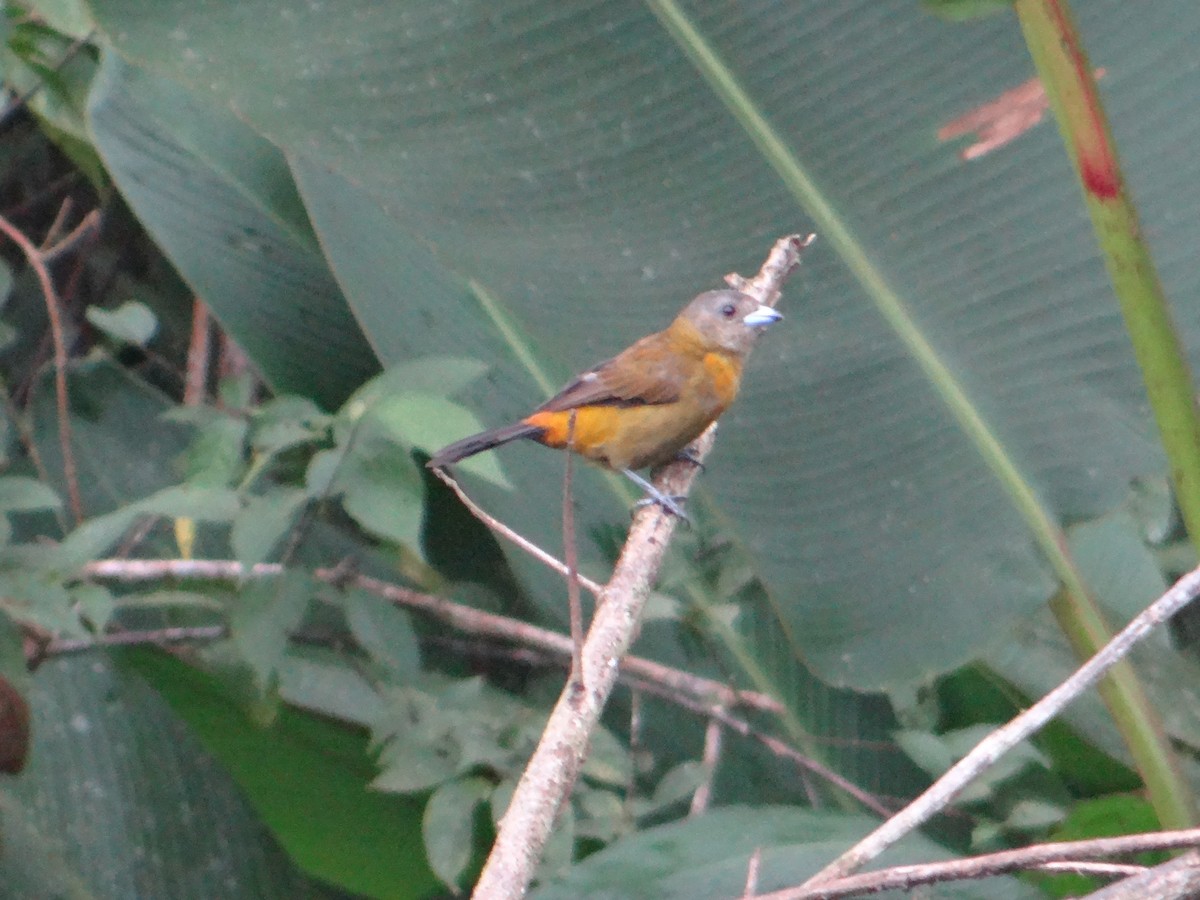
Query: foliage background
{"x": 484, "y": 197}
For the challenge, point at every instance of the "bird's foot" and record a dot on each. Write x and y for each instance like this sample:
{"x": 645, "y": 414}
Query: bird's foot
{"x": 686, "y": 455}
{"x": 671, "y": 504}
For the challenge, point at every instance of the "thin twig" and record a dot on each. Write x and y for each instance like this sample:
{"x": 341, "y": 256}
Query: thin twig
{"x": 1003, "y": 739}
{"x": 465, "y": 618}
{"x": 34, "y": 257}
{"x": 753, "y": 867}
{"x": 550, "y": 775}
{"x": 635, "y": 748}
{"x": 504, "y": 531}
{"x": 774, "y": 744}
{"x": 1176, "y": 879}
{"x": 196, "y": 382}
{"x": 1092, "y": 869}
{"x": 571, "y": 558}
{"x": 29, "y": 446}
{"x": 989, "y": 865}
{"x": 710, "y": 758}
{"x": 86, "y": 228}
{"x": 60, "y": 646}
{"x": 56, "y": 224}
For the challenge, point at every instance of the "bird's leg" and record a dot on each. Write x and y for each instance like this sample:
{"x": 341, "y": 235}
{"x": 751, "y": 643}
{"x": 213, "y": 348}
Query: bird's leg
{"x": 654, "y": 495}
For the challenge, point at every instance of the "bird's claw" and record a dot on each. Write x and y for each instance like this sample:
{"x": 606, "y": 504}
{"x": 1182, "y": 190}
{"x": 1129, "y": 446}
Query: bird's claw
{"x": 686, "y": 455}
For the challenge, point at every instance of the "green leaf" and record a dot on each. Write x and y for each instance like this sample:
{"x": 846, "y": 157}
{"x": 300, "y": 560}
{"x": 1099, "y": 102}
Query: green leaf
{"x": 380, "y": 485}
{"x": 97, "y": 535}
{"x": 284, "y": 422}
{"x": 263, "y": 521}
{"x": 679, "y": 783}
{"x": 707, "y": 857}
{"x": 1098, "y": 818}
{"x": 307, "y": 779}
{"x": 965, "y": 10}
{"x": 385, "y": 632}
{"x": 13, "y": 664}
{"x": 164, "y": 806}
{"x": 441, "y": 376}
{"x": 429, "y": 423}
{"x": 219, "y": 200}
{"x": 937, "y": 753}
{"x": 881, "y": 532}
{"x": 21, "y": 494}
{"x": 329, "y": 686}
{"x": 130, "y": 323}
{"x": 96, "y": 603}
{"x": 267, "y": 611}
{"x": 449, "y": 827}
{"x": 216, "y": 457}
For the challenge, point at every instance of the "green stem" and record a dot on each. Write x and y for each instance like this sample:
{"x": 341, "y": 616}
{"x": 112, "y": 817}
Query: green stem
{"x": 1066, "y": 74}
{"x": 1078, "y": 614}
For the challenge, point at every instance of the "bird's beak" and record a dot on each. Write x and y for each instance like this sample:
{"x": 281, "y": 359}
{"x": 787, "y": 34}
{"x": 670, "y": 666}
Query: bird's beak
{"x": 763, "y": 316}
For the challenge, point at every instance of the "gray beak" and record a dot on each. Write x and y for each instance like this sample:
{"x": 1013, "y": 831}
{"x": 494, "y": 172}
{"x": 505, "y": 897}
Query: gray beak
{"x": 762, "y": 317}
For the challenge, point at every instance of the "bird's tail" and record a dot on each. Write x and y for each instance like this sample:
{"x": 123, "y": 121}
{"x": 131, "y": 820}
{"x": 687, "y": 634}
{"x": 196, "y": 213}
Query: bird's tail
{"x": 477, "y": 443}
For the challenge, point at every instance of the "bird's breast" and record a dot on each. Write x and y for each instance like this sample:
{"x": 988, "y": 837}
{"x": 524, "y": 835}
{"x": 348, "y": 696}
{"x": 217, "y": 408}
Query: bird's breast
{"x": 724, "y": 376}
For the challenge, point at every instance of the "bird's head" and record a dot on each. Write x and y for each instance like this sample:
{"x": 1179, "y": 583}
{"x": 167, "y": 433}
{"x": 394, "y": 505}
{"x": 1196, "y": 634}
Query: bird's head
{"x": 727, "y": 320}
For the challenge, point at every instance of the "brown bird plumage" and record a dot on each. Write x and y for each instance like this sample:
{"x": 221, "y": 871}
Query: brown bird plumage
{"x": 643, "y": 406}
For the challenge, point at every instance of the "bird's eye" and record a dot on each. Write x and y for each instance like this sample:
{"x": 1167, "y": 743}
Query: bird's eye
{"x": 728, "y": 310}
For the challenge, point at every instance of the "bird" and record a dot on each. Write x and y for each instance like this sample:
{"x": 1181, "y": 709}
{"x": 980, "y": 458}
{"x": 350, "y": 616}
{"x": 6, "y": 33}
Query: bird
{"x": 643, "y": 407}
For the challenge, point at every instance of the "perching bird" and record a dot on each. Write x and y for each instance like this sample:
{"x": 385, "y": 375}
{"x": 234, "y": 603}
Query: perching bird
{"x": 645, "y": 405}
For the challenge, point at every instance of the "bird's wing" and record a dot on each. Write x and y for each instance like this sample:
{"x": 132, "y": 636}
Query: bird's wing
{"x": 641, "y": 375}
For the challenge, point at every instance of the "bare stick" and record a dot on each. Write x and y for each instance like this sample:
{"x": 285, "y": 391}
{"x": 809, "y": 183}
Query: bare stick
{"x": 555, "y": 764}
{"x": 504, "y": 531}
{"x": 767, "y": 285}
{"x": 34, "y": 257}
{"x": 85, "y": 229}
{"x": 465, "y": 618}
{"x": 571, "y": 557}
{"x": 1067, "y": 852}
{"x": 752, "y": 870}
{"x": 59, "y": 646}
{"x": 774, "y": 744}
{"x": 1003, "y": 739}
{"x": 196, "y": 383}
{"x": 64, "y": 210}
{"x": 709, "y": 759}
{"x": 635, "y": 749}
{"x": 1177, "y": 879}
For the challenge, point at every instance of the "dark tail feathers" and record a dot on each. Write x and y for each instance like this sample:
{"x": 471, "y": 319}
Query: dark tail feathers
{"x": 477, "y": 443}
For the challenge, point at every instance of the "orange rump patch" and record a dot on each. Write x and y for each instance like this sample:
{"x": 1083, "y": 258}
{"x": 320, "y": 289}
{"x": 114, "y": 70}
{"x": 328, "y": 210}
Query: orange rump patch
{"x": 594, "y": 426}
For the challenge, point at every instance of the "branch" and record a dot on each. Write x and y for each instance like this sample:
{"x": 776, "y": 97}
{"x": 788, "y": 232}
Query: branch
{"x": 1177, "y": 879}
{"x": 780, "y": 748}
{"x": 36, "y": 262}
{"x": 1036, "y": 857}
{"x": 550, "y": 775}
{"x": 1003, "y": 739}
{"x": 464, "y": 618}
{"x": 551, "y": 772}
{"x": 542, "y": 556}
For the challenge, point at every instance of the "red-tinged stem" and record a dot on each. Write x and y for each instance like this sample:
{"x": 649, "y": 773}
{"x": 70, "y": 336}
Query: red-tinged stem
{"x": 1067, "y": 75}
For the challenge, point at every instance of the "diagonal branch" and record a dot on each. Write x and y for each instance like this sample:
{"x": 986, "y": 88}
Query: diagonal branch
{"x": 1004, "y": 738}
{"x": 550, "y": 775}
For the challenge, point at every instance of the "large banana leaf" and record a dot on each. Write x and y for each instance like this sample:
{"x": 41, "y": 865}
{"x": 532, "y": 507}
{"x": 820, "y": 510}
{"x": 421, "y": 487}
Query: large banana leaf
{"x": 566, "y": 158}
